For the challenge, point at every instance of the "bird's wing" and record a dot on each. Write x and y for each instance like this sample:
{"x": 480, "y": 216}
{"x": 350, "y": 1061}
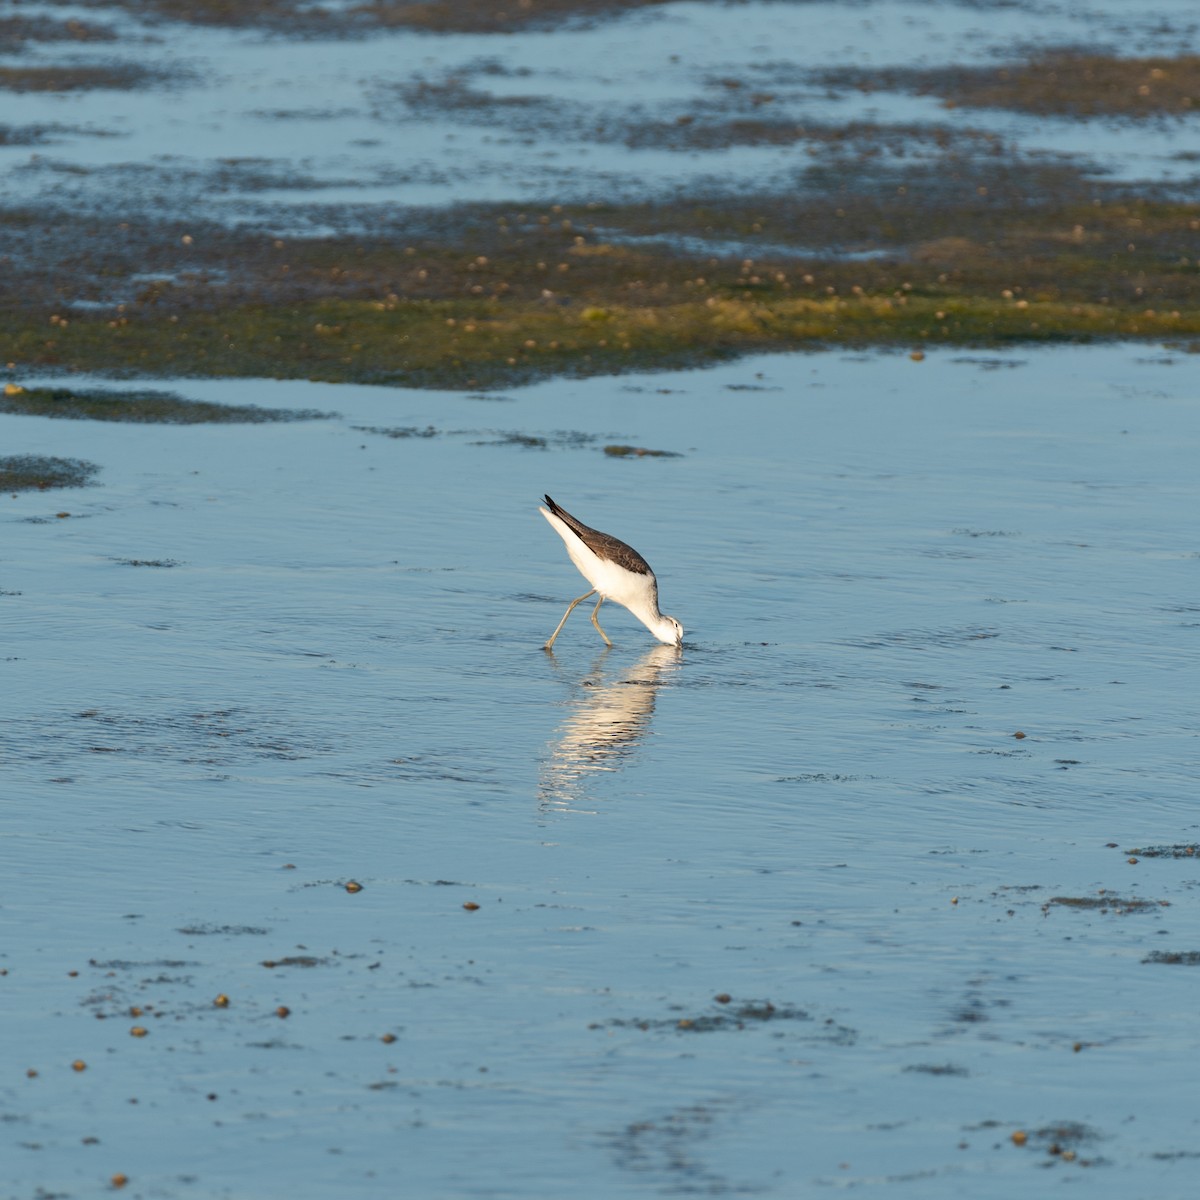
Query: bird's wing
{"x": 603, "y": 545}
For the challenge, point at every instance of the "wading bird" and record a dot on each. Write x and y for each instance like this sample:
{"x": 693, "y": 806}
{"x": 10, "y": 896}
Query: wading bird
{"x": 615, "y": 571}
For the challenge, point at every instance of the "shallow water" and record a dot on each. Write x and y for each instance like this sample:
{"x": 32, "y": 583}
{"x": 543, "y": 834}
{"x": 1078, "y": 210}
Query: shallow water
{"x": 329, "y": 122}
{"x": 258, "y": 662}
{"x": 886, "y": 569}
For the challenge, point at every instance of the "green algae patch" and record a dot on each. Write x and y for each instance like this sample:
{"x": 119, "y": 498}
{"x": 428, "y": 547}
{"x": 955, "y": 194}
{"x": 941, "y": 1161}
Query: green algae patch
{"x": 140, "y": 407}
{"x": 28, "y": 472}
{"x": 483, "y": 297}
{"x": 418, "y": 344}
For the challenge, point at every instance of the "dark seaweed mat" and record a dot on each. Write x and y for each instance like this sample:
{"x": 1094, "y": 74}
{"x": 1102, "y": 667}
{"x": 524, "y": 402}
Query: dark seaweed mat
{"x": 1105, "y": 904}
{"x": 84, "y": 77}
{"x": 739, "y": 1017}
{"x": 639, "y": 452}
{"x": 937, "y": 1069}
{"x": 1071, "y": 81}
{"x": 16, "y": 32}
{"x": 23, "y": 472}
{"x": 300, "y": 18}
{"x": 143, "y": 407}
{"x": 1181, "y": 850}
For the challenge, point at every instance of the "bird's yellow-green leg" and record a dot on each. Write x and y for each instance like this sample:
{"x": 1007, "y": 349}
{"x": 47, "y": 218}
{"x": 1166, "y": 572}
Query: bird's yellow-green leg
{"x": 550, "y": 644}
{"x": 597, "y": 623}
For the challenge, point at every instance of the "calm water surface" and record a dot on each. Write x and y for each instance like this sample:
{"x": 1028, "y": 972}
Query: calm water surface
{"x": 261, "y": 127}
{"x": 258, "y": 662}
{"x": 817, "y": 809}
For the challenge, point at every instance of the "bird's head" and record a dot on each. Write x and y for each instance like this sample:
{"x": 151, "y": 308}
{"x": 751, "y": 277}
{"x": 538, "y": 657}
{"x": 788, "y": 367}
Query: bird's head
{"x": 670, "y": 631}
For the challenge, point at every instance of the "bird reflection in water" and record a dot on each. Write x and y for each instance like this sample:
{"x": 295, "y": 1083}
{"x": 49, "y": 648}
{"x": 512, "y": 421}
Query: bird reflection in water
{"x": 608, "y": 717}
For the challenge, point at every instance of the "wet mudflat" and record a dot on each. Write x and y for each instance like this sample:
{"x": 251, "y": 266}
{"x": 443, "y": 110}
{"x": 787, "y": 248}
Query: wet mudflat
{"x": 322, "y": 874}
{"x": 338, "y": 192}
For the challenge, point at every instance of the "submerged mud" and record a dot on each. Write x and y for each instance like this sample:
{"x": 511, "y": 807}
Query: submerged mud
{"x": 139, "y": 407}
{"x": 17, "y": 31}
{"x": 27, "y": 472}
{"x": 833, "y": 898}
{"x": 299, "y": 18}
{"x": 1069, "y": 82}
{"x": 82, "y": 77}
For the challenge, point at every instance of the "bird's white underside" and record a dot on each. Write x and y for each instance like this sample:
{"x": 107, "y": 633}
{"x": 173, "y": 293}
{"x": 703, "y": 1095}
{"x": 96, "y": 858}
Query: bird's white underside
{"x": 638, "y": 593}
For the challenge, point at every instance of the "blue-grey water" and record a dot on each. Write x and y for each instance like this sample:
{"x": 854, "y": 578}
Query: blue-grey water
{"x": 818, "y": 809}
{"x": 792, "y": 910}
{"x": 335, "y": 122}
